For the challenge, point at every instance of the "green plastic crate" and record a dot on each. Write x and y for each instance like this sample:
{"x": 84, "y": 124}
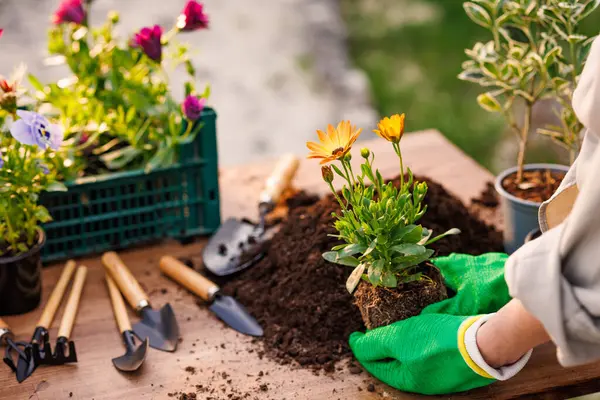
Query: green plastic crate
{"x": 115, "y": 211}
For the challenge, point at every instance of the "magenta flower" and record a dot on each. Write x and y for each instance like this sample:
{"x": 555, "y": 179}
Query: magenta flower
{"x": 149, "y": 40}
{"x": 192, "y": 107}
{"x": 34, "y": 129}
{"x": 69, "y": 11}
{"x": 192, "y": 17}
{"x": 1, "y": 31}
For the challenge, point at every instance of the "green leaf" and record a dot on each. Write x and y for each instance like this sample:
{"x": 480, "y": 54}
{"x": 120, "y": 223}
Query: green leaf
{"x": 348, "y": 261}
{"x": 389, "y": 279}
{"x": 453, "y": 231}
{"x": 478, "y": 14}
{"x": 515, "y": 33}
{"x": 351, "y": 250}
{"x": 426, "y": 235}
{"x": 41, "y": 213}
{"x": 35, "y": 83}
{"x": 409, "y": 249}
{"x": 339, "y": 247}
{"x": 338, "y": 171}
{"x": 471, "y": 75}
{"x": 354, "y": 278}
{"x": 330, "y": 256}
{"x": 489, "y": 103}
{"x": 374, "y": 272}
{"x": 56, "y": 187}
{"x": 414, "y": 235}
{"x": 574, "y": 39}
{"x": 370, "y": 248}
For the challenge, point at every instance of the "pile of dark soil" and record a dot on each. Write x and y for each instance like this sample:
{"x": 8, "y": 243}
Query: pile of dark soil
{"x": 301, "y": 300}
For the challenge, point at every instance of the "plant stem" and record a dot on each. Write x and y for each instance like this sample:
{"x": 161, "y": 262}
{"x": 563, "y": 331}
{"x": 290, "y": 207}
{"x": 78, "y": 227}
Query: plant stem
{"x": 399, "y": 153}
{"x": 347, "y": 173}
{"x": 336, "y": 196}
{"x": 523, "y": 142}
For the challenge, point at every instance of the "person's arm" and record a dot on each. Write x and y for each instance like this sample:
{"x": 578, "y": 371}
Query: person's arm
{"x": 557, "y": 276}
{"x": 509, "y": 335}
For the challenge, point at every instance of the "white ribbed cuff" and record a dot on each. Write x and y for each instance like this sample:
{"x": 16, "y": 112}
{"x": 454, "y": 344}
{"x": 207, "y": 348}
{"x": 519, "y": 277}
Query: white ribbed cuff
{"x": 501, "y": 374}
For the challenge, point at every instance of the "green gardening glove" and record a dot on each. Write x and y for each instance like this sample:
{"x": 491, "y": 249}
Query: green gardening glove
{"x": 427, "y": 353}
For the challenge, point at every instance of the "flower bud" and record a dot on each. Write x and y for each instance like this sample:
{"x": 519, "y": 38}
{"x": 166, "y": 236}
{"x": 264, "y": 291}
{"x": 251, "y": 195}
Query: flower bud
{"x": 365, "y": 153}
{"x": 113, "y": 16}
{"x": 348, "y": 156}
{"x": 327, "y": 173}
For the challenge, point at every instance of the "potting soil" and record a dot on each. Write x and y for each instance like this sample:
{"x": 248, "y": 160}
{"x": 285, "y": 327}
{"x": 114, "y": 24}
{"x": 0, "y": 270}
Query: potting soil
{"x": 301, "y": 300}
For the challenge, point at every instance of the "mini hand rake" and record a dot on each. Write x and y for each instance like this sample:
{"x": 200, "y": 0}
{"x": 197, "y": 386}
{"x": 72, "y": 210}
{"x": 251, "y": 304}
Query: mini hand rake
{"x": 64, "y": 351}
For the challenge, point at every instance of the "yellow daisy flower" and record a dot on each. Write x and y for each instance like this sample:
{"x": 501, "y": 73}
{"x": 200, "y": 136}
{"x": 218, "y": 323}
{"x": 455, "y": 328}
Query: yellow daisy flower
{"x": 334, "y": 144}
{"x": 391, "y": 129}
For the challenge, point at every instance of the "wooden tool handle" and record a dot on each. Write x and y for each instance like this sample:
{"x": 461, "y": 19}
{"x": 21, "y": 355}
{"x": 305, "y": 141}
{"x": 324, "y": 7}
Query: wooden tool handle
{"x": 280, "y": 179}
{"x": 188, "y": 278}
{"x": 127, "y": 284}
{"x": 68, "y": 319}
{"x": 118, "y": 305}
{"x": 47, "y": 317}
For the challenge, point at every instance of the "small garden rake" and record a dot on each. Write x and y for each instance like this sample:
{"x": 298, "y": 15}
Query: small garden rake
{"x": 64, "y": 351}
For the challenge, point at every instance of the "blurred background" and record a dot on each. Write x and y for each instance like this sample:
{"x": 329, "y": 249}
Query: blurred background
{"x": 281, "y": 69}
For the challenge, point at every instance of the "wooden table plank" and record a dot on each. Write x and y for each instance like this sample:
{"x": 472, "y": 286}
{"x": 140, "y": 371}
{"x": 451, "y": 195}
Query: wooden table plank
{"x": 212, "y": 348}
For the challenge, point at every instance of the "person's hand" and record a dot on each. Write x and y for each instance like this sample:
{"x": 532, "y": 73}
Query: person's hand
{"x": 436, "y": 352}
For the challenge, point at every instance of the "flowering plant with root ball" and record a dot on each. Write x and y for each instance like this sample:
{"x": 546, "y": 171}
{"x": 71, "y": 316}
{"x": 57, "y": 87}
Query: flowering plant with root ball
{"x": 117, "y": 107}
{"x": 378, "y": 221}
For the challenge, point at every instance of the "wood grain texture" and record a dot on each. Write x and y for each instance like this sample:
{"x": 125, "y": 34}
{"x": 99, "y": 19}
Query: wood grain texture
{"x": 213, "y": 349}
{"x": 118, "y": 305}
{"x": 72, "y": 306}
{"x": 57, "y": 294}
{"x": 125, "y": 280}
{"x": 188, "y": 278}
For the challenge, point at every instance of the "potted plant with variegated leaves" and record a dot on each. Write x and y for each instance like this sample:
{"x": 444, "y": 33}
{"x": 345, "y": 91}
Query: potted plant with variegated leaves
{"x": 392, "y": 278}
{"x": 536, "y": 52}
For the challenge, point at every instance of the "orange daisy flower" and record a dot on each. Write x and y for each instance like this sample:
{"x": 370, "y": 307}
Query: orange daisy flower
{"x": 391, "y": 129}
{"x": 334, "y": 144}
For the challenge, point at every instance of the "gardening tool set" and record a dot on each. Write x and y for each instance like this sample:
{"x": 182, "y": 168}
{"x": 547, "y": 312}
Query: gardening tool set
{"x": 156, "y": 328}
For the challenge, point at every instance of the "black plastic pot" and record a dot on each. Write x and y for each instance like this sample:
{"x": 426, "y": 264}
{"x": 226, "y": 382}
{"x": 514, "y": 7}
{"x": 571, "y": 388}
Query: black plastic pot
{"x": 520, "y": 216}
{"x": 21, "y": 280}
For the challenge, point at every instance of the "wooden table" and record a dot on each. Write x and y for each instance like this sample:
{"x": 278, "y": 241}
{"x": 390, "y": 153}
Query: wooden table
{"x": 219, "y": 354}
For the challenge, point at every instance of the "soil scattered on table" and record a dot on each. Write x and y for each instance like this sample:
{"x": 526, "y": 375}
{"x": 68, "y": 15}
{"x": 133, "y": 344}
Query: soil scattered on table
{"x": 537, "y": 185}
{"x": 301, "y": 300}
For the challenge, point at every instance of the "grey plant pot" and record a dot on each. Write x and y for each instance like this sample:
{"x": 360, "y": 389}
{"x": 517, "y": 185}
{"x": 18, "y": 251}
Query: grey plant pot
{"x": 520, "y": 216}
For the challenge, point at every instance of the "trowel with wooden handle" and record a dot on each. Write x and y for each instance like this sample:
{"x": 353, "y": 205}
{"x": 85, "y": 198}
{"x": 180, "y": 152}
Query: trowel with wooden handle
{"x": 225, "y": 307}
{"x": 222, "y": 254}
{"x": 160, "y": 327}
{"x": 133, "y": 357}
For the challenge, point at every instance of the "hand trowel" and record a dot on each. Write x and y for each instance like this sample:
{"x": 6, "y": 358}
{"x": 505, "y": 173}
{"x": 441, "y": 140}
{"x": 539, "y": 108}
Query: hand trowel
{"x": 223, "y": 253}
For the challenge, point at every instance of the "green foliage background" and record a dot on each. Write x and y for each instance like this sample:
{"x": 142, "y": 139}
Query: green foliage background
{"x": 413, "y": 68}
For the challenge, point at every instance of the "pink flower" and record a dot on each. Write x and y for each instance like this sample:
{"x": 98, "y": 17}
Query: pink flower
{"x": 1, "y": 30}
{"x": 69, "y": 11}
{"x": 192, "y": 107}
{"x": 149, "y": 40}
{"x": 192, "y": 17}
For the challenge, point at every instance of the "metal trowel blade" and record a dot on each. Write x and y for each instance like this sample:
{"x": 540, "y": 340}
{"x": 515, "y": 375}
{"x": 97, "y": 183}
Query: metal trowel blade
{"x": 222, "y": 254}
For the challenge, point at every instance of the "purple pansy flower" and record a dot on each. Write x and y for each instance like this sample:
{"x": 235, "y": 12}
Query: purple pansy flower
{"x": 149, "y": 40}
{"x": 1, "y": 160}
{"x": 192, "y": 17}
{"x": 69, "y": 11}
{"x": 192, "y": 107}
{"x": 35, "y": 129}
{"x": 42, "y": 167}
